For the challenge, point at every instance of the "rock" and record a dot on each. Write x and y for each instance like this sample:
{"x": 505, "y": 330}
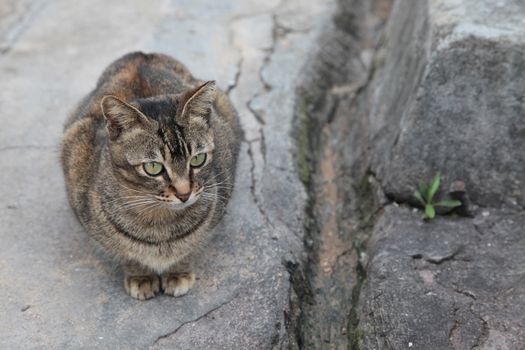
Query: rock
{"x": 448, "y": 97}
{"x": 442, "y": 91}
{"x": 458, "y": 191}
{"x": 453, "y": 283}
{"x": 57, "y": 292}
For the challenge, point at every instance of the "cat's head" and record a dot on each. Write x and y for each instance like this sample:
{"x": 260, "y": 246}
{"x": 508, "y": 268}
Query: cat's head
{"x": 162, "y": 148}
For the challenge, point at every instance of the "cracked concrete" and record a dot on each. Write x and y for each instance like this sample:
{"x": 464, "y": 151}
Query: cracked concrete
{"x": 57, "y": 291}
{"x": 15, "y": 18}
{"x": 469, "y": 298}
{"x": 172, "y": 333}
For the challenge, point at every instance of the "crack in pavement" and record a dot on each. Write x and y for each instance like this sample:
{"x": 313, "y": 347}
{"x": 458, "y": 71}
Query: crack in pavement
{"x": 256, "y": 114}
{"x": 253, "y": 185}
{"x": 24, "y": 22}
{"x": 265, "y": 62}
{"x": 464, "y": 305}
{"x": 258, "y": 117}
{"x": 455, "y": 327}
{"x": 269, "y": 52}
{"x": 483, "y": 328}
{"x": 440, "y": 260}
{"x": 464, "y": 292}
{"x": 484, "y": 331}
{"x": 263, "y": 145}
{"x": 237, "y": 76}
{"x": 167, "y": 335}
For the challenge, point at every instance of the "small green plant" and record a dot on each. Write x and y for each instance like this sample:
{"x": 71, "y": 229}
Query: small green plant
{"x": 425, "y": 195}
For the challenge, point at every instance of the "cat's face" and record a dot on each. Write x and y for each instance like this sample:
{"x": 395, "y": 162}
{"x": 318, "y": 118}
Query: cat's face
{"x": 162, "y": 149}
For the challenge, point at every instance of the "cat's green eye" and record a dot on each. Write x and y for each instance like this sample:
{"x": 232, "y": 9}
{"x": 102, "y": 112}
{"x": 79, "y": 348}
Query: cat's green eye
{"x": 153, "y": 168}
{"x": 198, "y": 160}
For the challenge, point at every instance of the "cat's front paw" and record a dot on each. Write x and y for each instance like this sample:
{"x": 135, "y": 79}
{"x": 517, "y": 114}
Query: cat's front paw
{"x": 177, "y": 284}
{"x": 142, "y": 287}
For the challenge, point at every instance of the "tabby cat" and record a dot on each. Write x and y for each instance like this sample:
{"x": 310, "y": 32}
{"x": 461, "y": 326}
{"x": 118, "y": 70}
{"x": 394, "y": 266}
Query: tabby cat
{"x": 149, "y": 159}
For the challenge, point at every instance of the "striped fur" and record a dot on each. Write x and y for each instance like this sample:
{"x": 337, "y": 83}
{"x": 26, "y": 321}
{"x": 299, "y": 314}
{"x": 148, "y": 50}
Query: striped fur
{"x": 149, "y": 107}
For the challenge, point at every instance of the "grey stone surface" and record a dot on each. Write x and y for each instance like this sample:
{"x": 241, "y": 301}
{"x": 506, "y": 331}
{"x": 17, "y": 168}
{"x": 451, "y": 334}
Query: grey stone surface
{"x": 449, "y": 97}
{"x": 443, "y": 91}
{"x": 453, "y": 283}
{"x": 15, "y": 16}
{"x": 56, "y": 291}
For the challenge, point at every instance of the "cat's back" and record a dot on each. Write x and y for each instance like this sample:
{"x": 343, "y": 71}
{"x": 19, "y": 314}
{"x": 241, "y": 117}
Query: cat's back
{"x": 134, "y": 75}
{"x": 139, "y": 75}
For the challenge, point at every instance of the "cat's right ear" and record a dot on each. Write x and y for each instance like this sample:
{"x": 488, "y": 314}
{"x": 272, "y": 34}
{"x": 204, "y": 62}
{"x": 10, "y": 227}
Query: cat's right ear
{"x": 121, "y": 116}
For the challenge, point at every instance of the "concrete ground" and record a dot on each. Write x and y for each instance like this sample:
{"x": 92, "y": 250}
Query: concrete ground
{"x": 56, "y": 292}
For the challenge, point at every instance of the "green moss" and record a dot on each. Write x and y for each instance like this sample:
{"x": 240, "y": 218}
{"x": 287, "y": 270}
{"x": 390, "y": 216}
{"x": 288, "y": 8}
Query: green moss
{"x": 304, "y": 126}
{"x": 359, "y": 335}
{"x": 363, "y": 187}
{"x": 355, "y": 333}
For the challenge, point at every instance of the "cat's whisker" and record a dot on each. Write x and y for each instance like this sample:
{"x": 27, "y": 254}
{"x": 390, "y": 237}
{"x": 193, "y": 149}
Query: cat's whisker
{"x": 118, "y": 206}
{"x": 223, "y": 183}
{"x": 212, "y": 196}
{"x": 228, "y": 177}
{"x": 218, "y": 186}
{"x": 137, "y": 203}
{"x": 123, "y": 198}
{"x": 126, "y": 187}
{"x": 148, "y": 208}
{"x": 216, "y": 176}
{"x": 132, "y": 205}
{"x": 216, "y": 189}
{"x": 219, "y": 183}
{"x": 120, "y": 210}
{"x": 133, "y": 190}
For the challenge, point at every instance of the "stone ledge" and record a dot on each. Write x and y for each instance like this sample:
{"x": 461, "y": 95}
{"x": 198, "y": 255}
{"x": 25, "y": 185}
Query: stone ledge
{"x": 450, "y": 97}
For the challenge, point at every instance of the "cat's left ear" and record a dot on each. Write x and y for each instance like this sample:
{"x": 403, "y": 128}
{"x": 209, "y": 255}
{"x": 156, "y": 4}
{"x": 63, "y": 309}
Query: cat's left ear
{"x": 122, "y": 117}
{"x": 197, "y": 104}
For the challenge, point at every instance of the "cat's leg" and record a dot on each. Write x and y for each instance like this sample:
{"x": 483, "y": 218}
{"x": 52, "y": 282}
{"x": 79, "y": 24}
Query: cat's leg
{"x": 140, "y": 282}
{"x": 178, "y": 280}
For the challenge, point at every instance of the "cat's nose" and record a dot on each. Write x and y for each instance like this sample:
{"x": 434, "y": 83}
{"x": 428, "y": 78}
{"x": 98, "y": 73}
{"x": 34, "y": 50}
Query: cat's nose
{"x": 182, "y": 189}
{"x": 183, "y": 196}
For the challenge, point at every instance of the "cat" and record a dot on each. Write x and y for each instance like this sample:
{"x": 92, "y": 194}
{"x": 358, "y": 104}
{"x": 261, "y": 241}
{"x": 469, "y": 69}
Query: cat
{"x": 149, "y": 160}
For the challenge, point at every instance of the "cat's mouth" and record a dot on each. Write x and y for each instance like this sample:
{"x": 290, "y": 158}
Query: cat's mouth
{"x": 183, "y": 205}
{"x": 177, "y": 204}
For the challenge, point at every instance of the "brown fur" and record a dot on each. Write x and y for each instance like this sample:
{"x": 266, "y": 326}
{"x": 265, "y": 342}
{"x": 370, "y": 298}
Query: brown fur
{"x": 148, "y": 107}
